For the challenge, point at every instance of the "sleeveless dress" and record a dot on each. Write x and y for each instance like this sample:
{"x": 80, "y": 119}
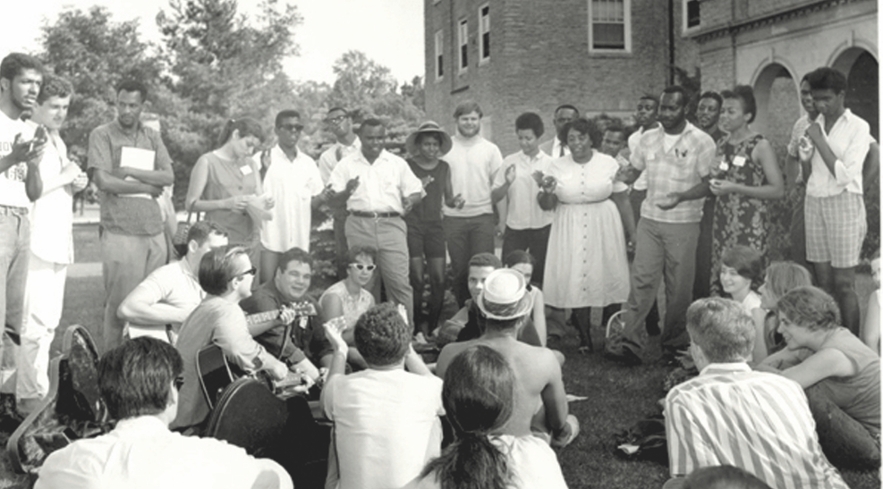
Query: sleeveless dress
{"x": 229, "y": 178}
{"x": 738, "y": 219}
{"x": 352, "y": 308}
{"x": 586, "y": 264}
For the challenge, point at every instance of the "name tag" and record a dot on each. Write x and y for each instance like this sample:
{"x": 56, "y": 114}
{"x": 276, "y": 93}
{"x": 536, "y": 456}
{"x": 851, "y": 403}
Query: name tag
{"x": 651, "y": 156}
{"x": 246, "y": 170}
{"x": 739, "y": 161}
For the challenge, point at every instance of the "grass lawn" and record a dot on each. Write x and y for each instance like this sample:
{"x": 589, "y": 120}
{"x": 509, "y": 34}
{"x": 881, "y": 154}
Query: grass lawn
{"x": 617, "y": 396}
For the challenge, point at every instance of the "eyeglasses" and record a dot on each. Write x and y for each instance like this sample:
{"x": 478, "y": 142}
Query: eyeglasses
{"x": 291, "y": 127}
{"x": 335, "y": 120}
{"x": 179, "y": 382}
{"x": 250, "y": 271}
{"x": 362, "y": 267}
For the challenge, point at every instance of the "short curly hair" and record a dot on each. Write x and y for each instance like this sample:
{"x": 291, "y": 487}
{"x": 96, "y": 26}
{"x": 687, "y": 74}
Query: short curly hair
{"x": 54, "y": 86}
{"x": 382, "y": 335}
{"x": 811, "y": 308}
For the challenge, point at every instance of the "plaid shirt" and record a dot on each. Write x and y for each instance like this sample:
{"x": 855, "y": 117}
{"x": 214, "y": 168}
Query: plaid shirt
{"x": 678, "y": 170}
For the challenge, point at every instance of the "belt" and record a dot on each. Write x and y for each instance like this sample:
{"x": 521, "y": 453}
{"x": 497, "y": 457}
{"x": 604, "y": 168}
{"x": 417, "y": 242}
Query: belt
{"x": 374, "y": 215}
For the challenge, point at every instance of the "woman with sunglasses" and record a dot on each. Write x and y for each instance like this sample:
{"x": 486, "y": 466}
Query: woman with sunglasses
{"x": 348, "y": 299}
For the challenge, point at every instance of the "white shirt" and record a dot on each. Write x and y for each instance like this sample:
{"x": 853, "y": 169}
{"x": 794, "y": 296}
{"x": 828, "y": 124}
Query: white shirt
{"x": 174, "y": 284}
{"x": 849, "y": 139}
{"x": 52, "y": 215}
{"x": 12, "y": 181}
{"x": 386, "y": 426}
{"x": 474, "y": 163}
{"x": 559, "y": 150}
{"x": 524, "y": 211}
{"x": 382, "y": 184}
{"x": 292, "y": 184}
{"x": 331, "y": 156}
{"x": 641, "y": 182}
{"x": 141, "y": 453}
{"x": 751, "y": 302}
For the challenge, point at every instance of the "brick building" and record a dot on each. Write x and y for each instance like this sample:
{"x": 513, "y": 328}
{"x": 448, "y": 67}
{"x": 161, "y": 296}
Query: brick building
{"x": 513, "y": 56}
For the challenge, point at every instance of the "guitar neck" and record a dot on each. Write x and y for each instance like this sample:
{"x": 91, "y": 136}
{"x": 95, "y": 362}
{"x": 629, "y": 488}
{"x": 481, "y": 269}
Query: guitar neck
{"x": 301, "y": 310}
{"x": 262, "y": 317}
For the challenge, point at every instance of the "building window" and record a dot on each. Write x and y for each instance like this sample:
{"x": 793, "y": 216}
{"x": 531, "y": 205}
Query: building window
{"x": 691, "y": 14}
{"x": 439, "y": 54}
{"x": 610, "y": 25}
{"x": 464, "y": 45}
{"x": 484, "y": 29}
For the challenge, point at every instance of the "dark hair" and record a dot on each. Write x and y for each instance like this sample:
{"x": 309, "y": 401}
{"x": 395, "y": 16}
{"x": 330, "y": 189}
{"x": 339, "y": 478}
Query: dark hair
{"x": 382, "y": 335}
{"x": 200, "y": 231}
{"x": 133, "y": 86}
{"x": 285, "y": 114}
{"x": 783, "y": 276}
{"x": 245, "y": 126}
{"x": 15, "y": 63}
{"x": 418, "y": 140}
{"x": 714, "y": 96}
{"x": 371, "y": 122}
{"x": 745, "y": 95}
{"x": 54, "y": 86}
{"x": 478, "y": 396}
{"x": 721, "y": 328}
{"x": 723, "y": 477}
{"x": 357, "y": 251}
{"x": 566, "y": 106}
{"x": 582, "y": 126}
{"x": 810, "y": 307}
{"x": 616, "y": 126}
{"x": 135, "y": 378}
{"x": 519, "y": 256}
{"x": 825, "y": 78}
{"x": 532, "y": 121}
{"x": 294, "y": 254}
{"x": 216, "y": 269}
{"x": 468, "y": 107}
{"x": 685, "y": 98}
{"x": 747, "y": 261}
{"x": 648, "y": 96}
{"x": 485, "y": 260}
{"x": 338, "y": 108}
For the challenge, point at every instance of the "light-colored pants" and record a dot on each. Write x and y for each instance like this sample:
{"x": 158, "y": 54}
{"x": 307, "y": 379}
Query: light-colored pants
{"x": 15, "y": 232}
{"x": 389, "y": 236}
{"x": 44, "y": 300}
{"x": 127, "y": 260}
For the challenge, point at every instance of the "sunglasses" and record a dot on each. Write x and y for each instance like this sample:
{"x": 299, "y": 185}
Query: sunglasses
{"x": 335, "y": 120}
{"x": 250, "y": 271}
{"x": 361, "y": 267}
{"x": 179, "y": 382}
{"x": 291, "y": 127}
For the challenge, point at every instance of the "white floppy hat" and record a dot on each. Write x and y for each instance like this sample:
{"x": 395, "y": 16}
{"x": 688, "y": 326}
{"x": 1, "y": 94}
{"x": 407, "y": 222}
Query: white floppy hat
{"x": 504, "y": 296}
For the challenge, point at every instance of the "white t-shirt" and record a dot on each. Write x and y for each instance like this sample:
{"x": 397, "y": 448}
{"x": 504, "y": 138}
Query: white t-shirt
{"x": 12, "y": 181}
{"x": 474, "y": 162}
{"x": 292, "y": 184}
{"x": 52, "y": 214}
{"x": 386, "y": 426}
{"x": 751, "y": 302}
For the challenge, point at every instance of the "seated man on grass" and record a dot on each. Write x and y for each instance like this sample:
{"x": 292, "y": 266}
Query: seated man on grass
{"x": 541, "y": 403}
{"x": 160, "y": 304}
{"x": 464, "y": 324}
{"x": 731, "y": 415}
{"x": 307, "y": 348}
{"x": 138, "y": 381}
{"x": 386, "y": 418}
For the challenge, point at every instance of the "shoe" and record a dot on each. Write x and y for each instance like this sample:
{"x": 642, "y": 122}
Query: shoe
{"x": 624, "y": 356}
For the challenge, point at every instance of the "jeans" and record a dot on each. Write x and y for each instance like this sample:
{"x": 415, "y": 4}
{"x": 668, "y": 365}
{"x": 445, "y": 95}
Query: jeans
{"x": 466, "y": 237}
{"x": 845, "y": 441}
{"x": 534, "y": 241}
{"x": 15, "y": 232}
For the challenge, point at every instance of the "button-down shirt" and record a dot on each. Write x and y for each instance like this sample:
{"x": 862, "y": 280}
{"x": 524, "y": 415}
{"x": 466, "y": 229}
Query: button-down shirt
{"x": 641, "y": 182}
{"x": 849, "y": 139}
{"x": 52, "y": 217}
{"x": 12, "y": 181}
{"x": 474, "y": 163}
{"x": 523, "y": 210}
{"x": 292, "y": 184}
{"x": 174, "y": 284}
{"x": 141, "y": 453}
{"x": 797, "y": 131}
{"x": 126, "y": 214}
{"x": 679, "y": 169}
{"x": 554, "y": 148}
{"x": 757, "y": 421}
{"x": 382, "y": 184}
{"x": 331, "y": 156}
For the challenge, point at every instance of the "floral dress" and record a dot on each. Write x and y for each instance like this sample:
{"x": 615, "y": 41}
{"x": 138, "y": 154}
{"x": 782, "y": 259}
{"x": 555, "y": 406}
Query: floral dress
{"x": 738, "y": 219}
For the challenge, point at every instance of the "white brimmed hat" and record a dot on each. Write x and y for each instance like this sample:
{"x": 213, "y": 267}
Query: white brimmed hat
{"x": 504, "y": 296}
{"x": 428, "y": 127}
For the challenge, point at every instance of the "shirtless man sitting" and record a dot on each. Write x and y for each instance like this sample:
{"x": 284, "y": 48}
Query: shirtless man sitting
{"x": 541, "y": 403}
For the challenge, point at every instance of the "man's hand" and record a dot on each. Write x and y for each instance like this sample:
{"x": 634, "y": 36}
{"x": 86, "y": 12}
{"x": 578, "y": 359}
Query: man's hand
{"x": 352, "y": 185}
{"x": 510, "y": 174}
{"x": 80, "y": 182}
{"x": 670, "y": 201}
{"x": 814, "y": 133}
{"x": 548, "y": 184}
{"x": 334, "y": 332}
{"x": 326, "y": 194}
{"x": 154, "y": 190}
{"x": 721, "y": 187}
{"x": 287, "y": 315}
{"x": 25, "y": 151}
{"x": 458, "y": 202}
{"x": 407, "y": 205}
{"x": 120, "y": 172}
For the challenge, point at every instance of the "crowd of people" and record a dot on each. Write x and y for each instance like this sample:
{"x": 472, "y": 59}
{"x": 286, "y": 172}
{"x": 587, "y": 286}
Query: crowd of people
{"x": 600, "y": 215}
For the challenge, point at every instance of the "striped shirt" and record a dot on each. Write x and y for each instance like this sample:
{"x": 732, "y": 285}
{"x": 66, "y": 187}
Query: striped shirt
{"x": 679, "y": 169}
{"x": 756, "y": 421}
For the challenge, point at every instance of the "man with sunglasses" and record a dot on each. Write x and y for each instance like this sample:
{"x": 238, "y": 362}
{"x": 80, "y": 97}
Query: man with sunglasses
{"x": 340, "y": 123}
{"x": 226, "y": 274}
{"x": 293, "y": 181}
{"x": 138, "y": 382}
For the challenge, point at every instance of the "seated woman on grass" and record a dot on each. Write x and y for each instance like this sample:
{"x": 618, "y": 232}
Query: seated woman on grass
{"x": 348, "y": 299}
{"x": 780, "y": 278}
{"x": 840, "y": 374}
{"x": 741, "y": 270}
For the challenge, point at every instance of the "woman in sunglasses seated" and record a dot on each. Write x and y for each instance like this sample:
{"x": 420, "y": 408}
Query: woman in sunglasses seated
{"x": 348, "y": 299}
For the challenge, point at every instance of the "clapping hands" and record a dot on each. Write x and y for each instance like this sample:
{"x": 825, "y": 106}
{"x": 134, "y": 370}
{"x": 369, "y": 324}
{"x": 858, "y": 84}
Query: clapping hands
{"x": 334, "y": 329}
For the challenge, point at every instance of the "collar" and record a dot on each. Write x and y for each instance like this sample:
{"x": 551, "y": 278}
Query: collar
{"x": 139, "y": 127}
{"x": 384, "y": 155}
{"x": 846, "y": 116}
{"x": 533, "y": 158}
{"x": 466, "y": 141}
{"x": 147, "y": 423}
{"x": 725, "y": 368}
{"x": 281, "y": 153}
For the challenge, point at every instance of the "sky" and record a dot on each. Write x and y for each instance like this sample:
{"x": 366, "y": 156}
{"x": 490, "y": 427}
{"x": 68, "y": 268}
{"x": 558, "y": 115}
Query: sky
{"x": 390, "y": 32}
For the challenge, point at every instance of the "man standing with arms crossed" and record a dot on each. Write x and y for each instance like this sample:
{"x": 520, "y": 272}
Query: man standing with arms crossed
{"x": 469, "y": 226}
{"x": 126, "y": 161}
{"x": 20, "y": 184}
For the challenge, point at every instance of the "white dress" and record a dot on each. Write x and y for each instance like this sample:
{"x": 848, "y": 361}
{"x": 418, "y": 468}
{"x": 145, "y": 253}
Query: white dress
{"x": 586, "y": 264}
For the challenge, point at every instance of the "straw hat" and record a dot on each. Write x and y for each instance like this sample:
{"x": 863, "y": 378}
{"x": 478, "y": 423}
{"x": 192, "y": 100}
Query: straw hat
{"x": 504, "y": 296}
{"x": 428, "y": 127}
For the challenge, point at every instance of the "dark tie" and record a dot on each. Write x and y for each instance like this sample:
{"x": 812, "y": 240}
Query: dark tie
{"x": 561, "y": 151}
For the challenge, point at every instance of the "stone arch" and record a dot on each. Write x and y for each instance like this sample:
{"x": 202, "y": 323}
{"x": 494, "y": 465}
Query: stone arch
{"x": 778, "y": 103}
{"x": 861, "y": 68}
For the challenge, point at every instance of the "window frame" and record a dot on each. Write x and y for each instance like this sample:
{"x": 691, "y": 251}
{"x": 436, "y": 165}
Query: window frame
{"x": 484, "y": 28}
{"x": 627, "y": 30}
{"x": 463, "y": 46}
{"x": 439, "y": 59}
{"x": 685, "y": 28}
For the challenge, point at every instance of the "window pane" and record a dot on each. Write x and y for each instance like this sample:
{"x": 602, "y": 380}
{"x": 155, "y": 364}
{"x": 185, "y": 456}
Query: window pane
{"x": 464, "y": 62}
{"x": 693, "y": 13}
{"x": 608, "y": 36}
{"x": 486, "y": 45}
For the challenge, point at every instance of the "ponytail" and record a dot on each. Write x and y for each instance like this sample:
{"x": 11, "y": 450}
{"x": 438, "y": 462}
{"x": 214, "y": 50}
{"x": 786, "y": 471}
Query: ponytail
{"x": 472, "y": 461}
